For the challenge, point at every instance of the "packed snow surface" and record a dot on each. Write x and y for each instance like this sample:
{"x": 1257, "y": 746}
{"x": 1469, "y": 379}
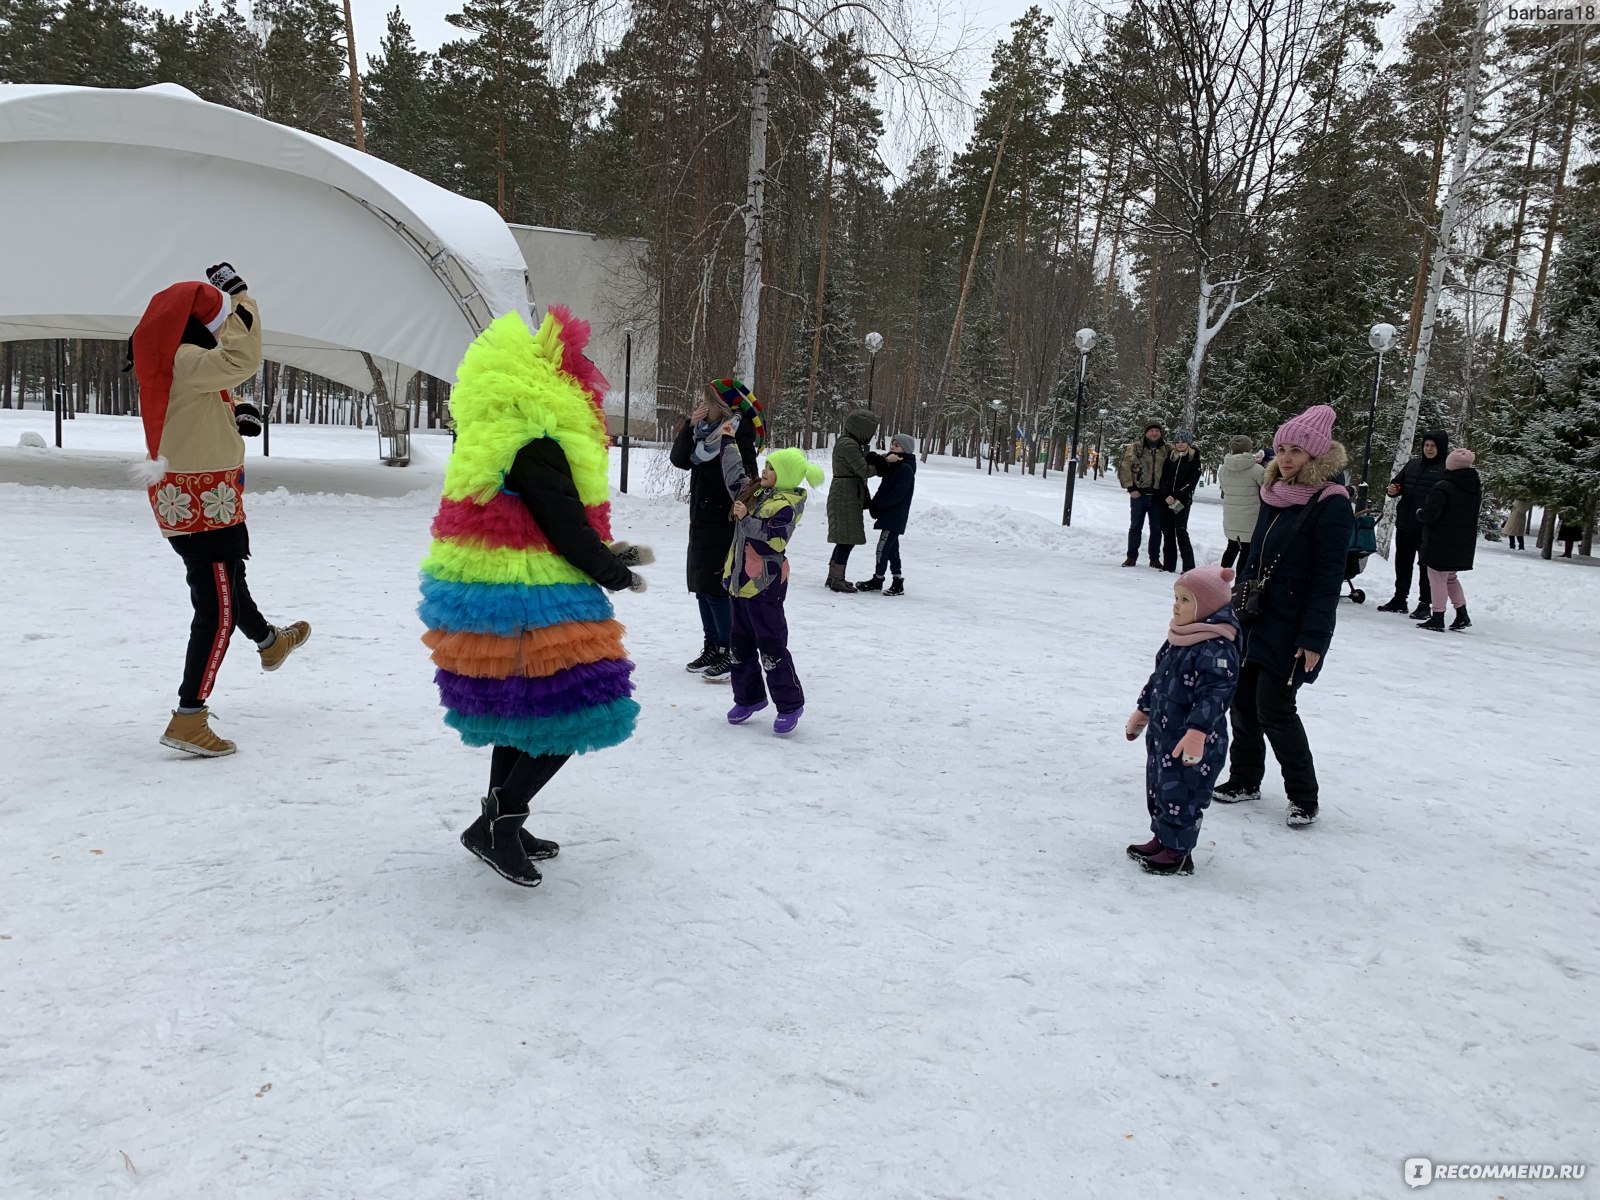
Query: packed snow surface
{"x": 901, "y": 955}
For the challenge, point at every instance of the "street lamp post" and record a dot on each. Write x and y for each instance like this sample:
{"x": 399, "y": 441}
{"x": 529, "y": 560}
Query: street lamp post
{"x": 1084, "y": 339}
{"x": 60, "y": 388}
{"x": 1381, "y": 338}
{"x": 873, "y": 343}
{"x": 994, "y": 431}
{"x": 627, "y": 401}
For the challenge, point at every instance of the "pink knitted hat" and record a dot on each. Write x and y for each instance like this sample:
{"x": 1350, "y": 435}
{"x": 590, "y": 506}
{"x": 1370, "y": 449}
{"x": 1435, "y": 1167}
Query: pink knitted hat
{"x": 1459, "y": 458}
{"x": 1212, "y": 588}
{"x": 1312, "y": 431}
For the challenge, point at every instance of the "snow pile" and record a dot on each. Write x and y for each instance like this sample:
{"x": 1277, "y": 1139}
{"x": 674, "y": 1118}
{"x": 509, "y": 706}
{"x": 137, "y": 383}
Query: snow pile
{"x": 901, "y": 955}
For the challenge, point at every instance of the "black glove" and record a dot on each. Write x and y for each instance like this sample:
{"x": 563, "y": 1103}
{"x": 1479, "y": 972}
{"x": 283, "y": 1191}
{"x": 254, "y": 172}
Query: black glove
{"x": 224, "y": 277}
{"x": 247, "y": 417}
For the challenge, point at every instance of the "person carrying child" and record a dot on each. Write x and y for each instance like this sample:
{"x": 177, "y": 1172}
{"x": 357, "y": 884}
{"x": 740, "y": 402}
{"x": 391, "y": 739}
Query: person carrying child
{"x": 765, "y": 513}
{"x": 891, "y": 505}
{"x": 1183, "y": 713}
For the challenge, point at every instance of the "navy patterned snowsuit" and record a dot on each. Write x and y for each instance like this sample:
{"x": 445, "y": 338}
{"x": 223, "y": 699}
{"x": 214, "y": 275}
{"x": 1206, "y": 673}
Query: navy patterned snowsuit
{"x": 1191, "y": 688}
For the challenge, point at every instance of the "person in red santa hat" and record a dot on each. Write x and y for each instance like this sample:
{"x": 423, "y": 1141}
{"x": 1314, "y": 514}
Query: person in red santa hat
{"x": 194, "y": 343}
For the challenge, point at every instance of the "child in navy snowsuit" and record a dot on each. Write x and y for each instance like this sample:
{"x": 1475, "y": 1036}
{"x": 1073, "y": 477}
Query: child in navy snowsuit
{"x": 1183, "y": 712}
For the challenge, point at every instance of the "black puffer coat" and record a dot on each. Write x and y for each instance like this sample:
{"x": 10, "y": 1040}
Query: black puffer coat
{"x": 1416, "y": 480}
{"x": 1302, "y": 595}
{"x": 1180, "y": 475}
{"x": 1450, "y": 521}
{"x": 710, "y": 528}
{"x": 891, "y": 504}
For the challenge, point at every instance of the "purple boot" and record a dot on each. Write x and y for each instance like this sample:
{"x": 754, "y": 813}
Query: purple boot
{"x": 784, "y": 724}
{"x": 1140, "y": 853}
{"x": 1168, "y": 862}
{"x": 740, "y": 713}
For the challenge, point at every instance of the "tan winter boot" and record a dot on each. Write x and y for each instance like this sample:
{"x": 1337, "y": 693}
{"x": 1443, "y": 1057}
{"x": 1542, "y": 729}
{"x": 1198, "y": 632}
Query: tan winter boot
{"x": 191, "y": 733}
{"x": 286, "y": 643}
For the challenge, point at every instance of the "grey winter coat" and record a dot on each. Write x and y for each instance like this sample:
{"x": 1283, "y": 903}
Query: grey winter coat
{"x": 853, "y": 465}
{"x": 1240, "y": 478}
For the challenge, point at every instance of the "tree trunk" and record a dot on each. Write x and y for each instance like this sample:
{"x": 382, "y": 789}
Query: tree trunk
{"x": 1517, "y": 227}
{"x": 355, "y": 79}
{"x": 755, "y": 193}
{"x": 1420, "y": 292}
{"x": 1448, "y": 219}
{"x": 1554, "y": 219}
{"x": 822, "y": 280}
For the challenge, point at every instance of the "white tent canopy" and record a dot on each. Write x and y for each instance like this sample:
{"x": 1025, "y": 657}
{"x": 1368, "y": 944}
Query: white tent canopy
{"x": 111, "y": 195}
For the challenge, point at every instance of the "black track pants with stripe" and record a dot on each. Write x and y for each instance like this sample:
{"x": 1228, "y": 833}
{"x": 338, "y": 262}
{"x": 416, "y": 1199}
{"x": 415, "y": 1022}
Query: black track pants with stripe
{"x": 222, "y": 604}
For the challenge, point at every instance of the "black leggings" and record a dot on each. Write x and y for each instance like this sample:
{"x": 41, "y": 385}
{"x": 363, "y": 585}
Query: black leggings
{"x": 521, "y": 776}
{"x": 222, "y": 603}
{"x": 841, "y": 555}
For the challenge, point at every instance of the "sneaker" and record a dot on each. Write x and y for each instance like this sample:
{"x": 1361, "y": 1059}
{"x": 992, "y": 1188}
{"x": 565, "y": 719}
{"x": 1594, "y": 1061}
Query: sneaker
{"x": 1138, "y": 853}
{"x": 897, "y": 588}
{"x": 1235, "y": 793}
{"x": 721, "y": 670}
{"x": 1398, "y": 604}
{"x": 875, "y": 584}
{"x": 740, "y": 713}
{"x": 1168, "y": 862}
{"x": 1301, "y": 815}
{"x": 192, "y": 733}
{"x": 783, "y": 725}
{"x": 708, "y": 657}
{"x": 285, "y": 642}
{"x": 1434, "y": 623}
{"x": 1462, "y": 621}
{"x": 1421, "y": 612}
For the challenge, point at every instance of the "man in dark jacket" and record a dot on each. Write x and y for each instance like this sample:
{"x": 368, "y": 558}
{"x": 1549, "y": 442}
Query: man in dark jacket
{"x": 1139, "y": 472}
{"x": 892, "y": 508}
{"x": 710, "y": 530}
{"x": 853, "y": 465}
{"x": 1180, "y": 475}
{"x": 1411, "y": 488}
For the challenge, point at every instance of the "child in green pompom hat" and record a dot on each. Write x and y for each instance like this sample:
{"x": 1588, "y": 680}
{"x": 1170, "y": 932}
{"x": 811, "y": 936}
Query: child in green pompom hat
{"x": 765, "y": 513}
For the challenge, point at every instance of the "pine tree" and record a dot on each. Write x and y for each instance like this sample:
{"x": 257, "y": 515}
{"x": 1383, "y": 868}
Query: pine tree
{"x": 399, "y": 105}
{"x": 299, "y": 69}
{"x": 99, "y": 43}
{"x": 24, "y": 29}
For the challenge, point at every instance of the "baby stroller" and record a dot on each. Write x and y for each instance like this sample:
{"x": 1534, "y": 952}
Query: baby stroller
{"x": 1363, "y": 543}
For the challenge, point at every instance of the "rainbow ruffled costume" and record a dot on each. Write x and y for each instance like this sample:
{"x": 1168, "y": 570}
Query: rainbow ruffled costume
{"x": 528, "y": 650}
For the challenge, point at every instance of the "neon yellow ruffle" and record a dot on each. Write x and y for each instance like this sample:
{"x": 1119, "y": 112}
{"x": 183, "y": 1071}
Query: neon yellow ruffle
{"x": 457, "y": 563}
{"x": 510, "y": 389}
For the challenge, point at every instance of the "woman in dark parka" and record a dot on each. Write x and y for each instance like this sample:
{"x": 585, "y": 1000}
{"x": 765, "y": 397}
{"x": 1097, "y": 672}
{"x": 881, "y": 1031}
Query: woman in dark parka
{"x": 1450, "y": 535}
{"x": 710, "y": 530}
{"x": 1298, "y": 547}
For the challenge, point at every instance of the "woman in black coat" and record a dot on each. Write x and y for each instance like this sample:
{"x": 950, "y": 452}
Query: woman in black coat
{"x": 1449, "y": 519}
{"x": 1297, "y": 555}
{"x": 1179, "y": 478}
{"x": 710, "y": 528}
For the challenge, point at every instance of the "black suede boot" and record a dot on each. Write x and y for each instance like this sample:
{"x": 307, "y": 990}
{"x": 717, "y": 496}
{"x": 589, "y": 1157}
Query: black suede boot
{"x": 1398, "y": 604}
{"x": 1434, "y": 623}
{"x": 875, "y": 584}
{"x": 495, "y": 837}
{"x": 1462, "y": 621}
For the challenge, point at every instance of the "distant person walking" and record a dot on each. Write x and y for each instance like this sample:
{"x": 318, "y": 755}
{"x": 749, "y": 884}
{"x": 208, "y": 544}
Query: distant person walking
{"x": 1239, "y": 479}
{"x": 1139, "y": 472}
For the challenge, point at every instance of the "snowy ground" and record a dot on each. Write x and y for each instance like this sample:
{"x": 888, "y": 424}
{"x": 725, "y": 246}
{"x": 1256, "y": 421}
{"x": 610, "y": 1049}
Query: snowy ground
{"x": 918, "y": 967}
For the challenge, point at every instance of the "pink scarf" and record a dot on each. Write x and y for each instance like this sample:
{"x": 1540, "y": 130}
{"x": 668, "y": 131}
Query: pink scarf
{"x": 1291, "y": 495}
{"x": 1200, "y": 631}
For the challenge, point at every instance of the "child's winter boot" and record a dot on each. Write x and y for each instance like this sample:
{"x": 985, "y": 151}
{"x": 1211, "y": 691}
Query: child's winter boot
{"x": 1301, "y": 814}
{"x": 740, "y": 713}
{"x": 897, "y": 588}
{"x": 1168, "y": 862}
{"x": 1140, "y": 853}
{"x": 191, "y": 733}
{"x": 1434, "y": 623}
{"x": 496, "y": 838}
{"x": 285, "y": 641}
{"x": 721, "y": 670}
{"x": 1462, "y": 621}
{"x": 784, "y": 724}
{"x": 1235, "y": 793}
{"x": 875, "y": 584}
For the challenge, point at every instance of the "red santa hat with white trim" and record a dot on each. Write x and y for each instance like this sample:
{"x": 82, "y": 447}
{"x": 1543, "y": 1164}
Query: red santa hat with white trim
{"x": 155, "y": 345}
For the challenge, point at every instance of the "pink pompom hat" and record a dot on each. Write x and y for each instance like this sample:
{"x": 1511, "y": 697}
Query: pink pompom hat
{"x": 1312, "y": 431}
{"x": 1212, "y": 588}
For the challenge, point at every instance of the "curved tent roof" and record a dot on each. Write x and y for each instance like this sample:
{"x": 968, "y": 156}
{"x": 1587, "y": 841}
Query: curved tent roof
{"x": 112, "y": 195}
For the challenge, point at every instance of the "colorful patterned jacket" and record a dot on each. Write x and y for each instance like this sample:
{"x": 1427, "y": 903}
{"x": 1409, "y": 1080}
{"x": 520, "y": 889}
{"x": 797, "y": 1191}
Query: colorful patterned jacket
{"x": 759, "y": 555}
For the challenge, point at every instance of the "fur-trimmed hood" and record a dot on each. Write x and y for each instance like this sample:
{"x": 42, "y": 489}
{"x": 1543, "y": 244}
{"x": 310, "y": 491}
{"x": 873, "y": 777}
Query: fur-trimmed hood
{"x": 1316, "y": 472}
